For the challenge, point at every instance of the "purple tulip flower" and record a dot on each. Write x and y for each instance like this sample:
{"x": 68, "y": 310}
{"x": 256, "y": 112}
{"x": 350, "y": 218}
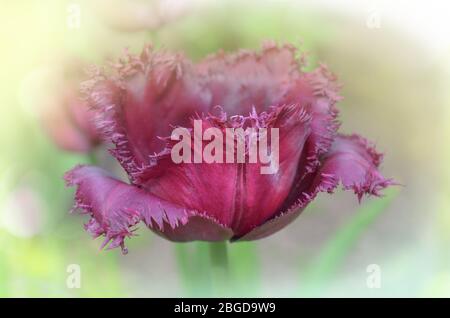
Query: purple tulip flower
{"x": 139, "y": 100}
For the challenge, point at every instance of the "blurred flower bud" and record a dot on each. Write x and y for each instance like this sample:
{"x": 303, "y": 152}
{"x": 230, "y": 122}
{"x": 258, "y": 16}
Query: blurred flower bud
{"x": 126, "y": 15}
{"x": 23, "y": 212}
{"x": 52, "y": 93}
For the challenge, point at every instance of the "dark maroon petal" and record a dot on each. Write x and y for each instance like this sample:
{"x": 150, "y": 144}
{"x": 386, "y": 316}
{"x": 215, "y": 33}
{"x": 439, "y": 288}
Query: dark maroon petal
{"x": 271, "y": 226}
{"x": 318, "y": 91}
{"x": 198, "y": 227}
{"x": 352, "y": 161}
{"x": 245, "y": 80}
{"x": 142, "y": 98}
{"x": 116, "y": 207}
{"x": 235, "y": 194}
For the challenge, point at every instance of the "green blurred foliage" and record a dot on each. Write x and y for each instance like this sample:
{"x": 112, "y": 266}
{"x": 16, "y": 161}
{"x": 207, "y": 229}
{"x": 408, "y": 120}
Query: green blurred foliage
{"x": 323, "y": 268}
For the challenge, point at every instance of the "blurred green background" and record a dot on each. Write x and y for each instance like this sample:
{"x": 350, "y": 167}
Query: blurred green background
{"x": 395, "y": 70}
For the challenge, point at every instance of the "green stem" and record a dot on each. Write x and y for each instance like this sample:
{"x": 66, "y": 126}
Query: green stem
{"x": 220, "y": 271}
{"x": 92, "y": 158}
{"x": 185, "y": 269}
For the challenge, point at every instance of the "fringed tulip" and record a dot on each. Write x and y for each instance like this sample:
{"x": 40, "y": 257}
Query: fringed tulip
{"x": 141, "y": 99}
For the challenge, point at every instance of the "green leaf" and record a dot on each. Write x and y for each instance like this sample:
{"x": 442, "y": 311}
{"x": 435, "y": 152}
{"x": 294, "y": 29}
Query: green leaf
{"x": 323, "y": 268}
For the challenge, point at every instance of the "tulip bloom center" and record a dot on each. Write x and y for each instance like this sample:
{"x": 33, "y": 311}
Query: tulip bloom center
{"x": 228, "y": 145}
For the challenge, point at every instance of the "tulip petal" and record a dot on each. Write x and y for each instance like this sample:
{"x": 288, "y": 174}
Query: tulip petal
{"x": 142, "y": 98}
{"x": 116, "y": 207}
{"x": 352, "y": 161}
{"x": 198, "y": 227}
{"x": 238, "y": 195}
{"x": 318, "y": 92}
{"x": 245, "y": 80}
{"x": 270, "y": 226}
